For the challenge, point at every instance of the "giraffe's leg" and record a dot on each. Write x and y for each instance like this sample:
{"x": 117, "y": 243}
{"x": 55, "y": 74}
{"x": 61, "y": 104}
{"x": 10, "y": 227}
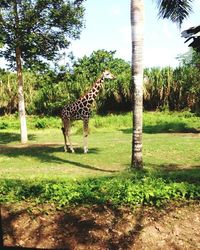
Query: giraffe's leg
{"x": 66, "y": 132}
{"x": 65, "y": 140}
{"x": 85, "y": 135}
{"x": 68, "y": 137}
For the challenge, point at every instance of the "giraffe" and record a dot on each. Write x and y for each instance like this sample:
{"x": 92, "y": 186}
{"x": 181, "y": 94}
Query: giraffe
{"x": 80, "y": 110}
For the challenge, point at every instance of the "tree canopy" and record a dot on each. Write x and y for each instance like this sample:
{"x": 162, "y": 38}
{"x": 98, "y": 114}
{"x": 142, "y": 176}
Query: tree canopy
{"x": 41, "y": 28}
{"x": 32, "y": 31}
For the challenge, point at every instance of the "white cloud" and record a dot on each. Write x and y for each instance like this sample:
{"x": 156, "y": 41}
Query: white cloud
{"x": 153, "y": 36}
{"x": 161, "y": 56}
{"x": 168, "y": 30}
{"x": 125, "y": 33}
{"x": 79, "y": 49}
{"x": 196, "y": 5}
{"x": 115, "y": 10}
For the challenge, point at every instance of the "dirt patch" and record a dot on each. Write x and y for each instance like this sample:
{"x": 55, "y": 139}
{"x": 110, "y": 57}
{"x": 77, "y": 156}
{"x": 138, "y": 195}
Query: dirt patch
{"x": 101, "y": 227}
{"x": 38, "y": 145}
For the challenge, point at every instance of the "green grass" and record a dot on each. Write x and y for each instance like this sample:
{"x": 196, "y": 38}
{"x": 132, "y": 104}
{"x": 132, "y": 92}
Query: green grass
{"x": 43, "y": 171}
{"x": 154, "y": 122}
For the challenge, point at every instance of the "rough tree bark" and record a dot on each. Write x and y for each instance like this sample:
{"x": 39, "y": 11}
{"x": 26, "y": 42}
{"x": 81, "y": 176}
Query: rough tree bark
{"x": 137, "y": 25}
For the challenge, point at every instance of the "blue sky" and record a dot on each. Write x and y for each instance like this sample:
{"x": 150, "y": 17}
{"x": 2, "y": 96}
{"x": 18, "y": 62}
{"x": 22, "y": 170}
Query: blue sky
{"x": 108, "y": 27}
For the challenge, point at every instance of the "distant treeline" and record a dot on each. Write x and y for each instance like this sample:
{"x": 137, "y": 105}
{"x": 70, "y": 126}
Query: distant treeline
{"x": 47, "y": 90}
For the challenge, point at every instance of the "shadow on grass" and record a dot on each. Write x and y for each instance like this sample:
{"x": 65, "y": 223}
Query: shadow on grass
{"x": 177, "y": 173}
{"x": 7, "y": 137}
{"x": 165, "y": 127}
{"x": 45, "y": 153}
{"x": 80, "y": 151}
{"x": 168, "y": 172}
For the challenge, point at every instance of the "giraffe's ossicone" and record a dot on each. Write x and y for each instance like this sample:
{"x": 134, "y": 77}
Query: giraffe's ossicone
{"x": 80, "y": 110}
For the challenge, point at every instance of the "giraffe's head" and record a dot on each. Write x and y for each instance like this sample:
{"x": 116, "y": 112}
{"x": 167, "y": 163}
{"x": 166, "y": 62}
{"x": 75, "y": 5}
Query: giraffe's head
{"x": 108, "y": 75}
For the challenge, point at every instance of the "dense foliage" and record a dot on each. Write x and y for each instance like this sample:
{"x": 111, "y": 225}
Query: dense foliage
{"x": 139, "y": 189}
{"x": 40, "y": 29}
{"x": 47, "y": 91}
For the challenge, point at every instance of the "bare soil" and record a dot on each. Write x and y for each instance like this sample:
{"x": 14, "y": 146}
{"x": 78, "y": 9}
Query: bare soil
{"x": 100, "y": 227}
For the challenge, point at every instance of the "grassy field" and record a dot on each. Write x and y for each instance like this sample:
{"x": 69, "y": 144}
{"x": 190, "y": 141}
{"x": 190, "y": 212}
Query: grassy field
{"x": 171, "y": 146}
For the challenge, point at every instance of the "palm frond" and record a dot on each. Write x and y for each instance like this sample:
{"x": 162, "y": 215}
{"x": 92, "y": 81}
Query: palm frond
{"x": 175, "y": 10}
{"x": 194, "y": 34}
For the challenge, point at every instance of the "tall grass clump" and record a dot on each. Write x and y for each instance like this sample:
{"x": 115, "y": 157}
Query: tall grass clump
{"x": 112, "y": 121}
{"x": 164, "y": 122}
{"x": 154, "y": 122}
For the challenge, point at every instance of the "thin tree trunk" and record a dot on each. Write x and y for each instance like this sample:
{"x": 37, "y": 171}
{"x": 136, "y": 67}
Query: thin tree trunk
{"x": 21, "y": 103}
{"x": 137, "y": 25}
{"x": 1, "y": 230}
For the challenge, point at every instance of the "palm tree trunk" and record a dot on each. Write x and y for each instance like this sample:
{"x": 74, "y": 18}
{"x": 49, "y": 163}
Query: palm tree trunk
{"x": 137, "y": 24}
{"x": 21, "y": 103}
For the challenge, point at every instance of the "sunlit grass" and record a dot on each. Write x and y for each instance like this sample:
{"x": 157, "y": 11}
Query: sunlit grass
{"x": 154, "y": 122}
{"x": 43, "y": 171}
{"x": 109, "y": 147}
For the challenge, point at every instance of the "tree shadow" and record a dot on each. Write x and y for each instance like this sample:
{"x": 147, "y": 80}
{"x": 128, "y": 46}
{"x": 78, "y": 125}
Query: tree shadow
{"x": 93, "y": 227}
{"x": 168, "y": 172}
{"x": 176, "y": 172}
{"x": 7, "y": 137}
{"x": 127, "y": 240}
{"x": 45, "y": 153}
{"x": 165, "y": 127}
{"x": 7, "y": 226}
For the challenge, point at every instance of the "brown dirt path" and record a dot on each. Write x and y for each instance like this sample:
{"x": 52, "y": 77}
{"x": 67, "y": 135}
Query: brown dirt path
{"x": 100, "y": 227}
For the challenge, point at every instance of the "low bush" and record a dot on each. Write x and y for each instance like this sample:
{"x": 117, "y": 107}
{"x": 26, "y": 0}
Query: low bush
{"x": 3, "y": 125}
{"x": 44, "y": 122}
{"x": 119, "y": 190}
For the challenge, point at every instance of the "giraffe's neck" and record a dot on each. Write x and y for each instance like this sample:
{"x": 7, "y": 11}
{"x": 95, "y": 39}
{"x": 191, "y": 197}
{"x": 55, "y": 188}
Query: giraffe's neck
{"x": 92, "y": 94}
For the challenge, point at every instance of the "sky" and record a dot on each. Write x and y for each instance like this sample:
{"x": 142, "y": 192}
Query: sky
{"x": 107, "y": 26}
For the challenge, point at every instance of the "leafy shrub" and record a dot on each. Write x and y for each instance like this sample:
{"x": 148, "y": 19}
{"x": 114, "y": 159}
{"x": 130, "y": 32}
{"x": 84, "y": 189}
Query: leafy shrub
{"x": 136, "y": 190}
{"x": 3, "y": 125}
{"x": 46, "y": 122}
{"x": 41, "y": 123}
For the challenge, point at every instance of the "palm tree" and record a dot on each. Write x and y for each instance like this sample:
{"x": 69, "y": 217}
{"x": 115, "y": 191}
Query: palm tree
{"x": 176, "y": 11}
{"x": 137, "y": 24}
{"x": 193, "y": 33}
